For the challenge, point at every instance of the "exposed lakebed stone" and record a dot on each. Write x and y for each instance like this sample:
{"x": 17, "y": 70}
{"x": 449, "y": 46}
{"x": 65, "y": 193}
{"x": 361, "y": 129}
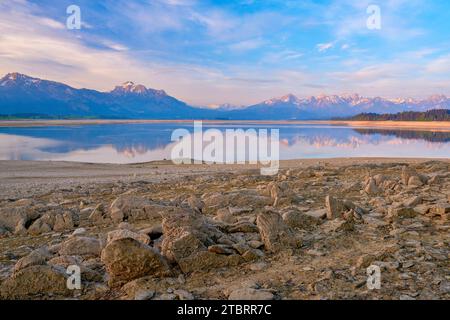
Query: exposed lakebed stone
{"x": 208, "y": 236}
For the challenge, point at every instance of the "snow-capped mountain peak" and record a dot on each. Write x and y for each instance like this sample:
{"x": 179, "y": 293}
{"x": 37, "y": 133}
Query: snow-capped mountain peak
{"x": 225, "y": 107}
{"x": 289, "y": 98}
{"x": 437, "y": 98}
{"x": 18, "y": 78}
{"x": 130, "y": 87}
{"x": 15, "y": 76}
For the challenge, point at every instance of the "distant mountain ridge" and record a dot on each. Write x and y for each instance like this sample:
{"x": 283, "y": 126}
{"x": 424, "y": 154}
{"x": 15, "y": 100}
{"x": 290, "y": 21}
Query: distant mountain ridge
{"x": 327, "y": 107}
{"x": 21, "y": 94}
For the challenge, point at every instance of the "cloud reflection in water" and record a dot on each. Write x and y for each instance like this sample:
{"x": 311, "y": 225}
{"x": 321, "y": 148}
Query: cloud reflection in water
{"x": 134, "y": 143}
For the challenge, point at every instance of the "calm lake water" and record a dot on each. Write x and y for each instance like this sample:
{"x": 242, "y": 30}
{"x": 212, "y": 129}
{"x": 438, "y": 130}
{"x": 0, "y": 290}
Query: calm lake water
{"x": 133, "y": 143}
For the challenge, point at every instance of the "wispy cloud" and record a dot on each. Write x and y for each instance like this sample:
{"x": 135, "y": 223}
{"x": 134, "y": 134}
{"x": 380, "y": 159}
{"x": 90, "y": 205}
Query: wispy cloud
{"x": 322, "y": 47}
{"x": 441, "y": 65}
{"x": 247, "y": 45}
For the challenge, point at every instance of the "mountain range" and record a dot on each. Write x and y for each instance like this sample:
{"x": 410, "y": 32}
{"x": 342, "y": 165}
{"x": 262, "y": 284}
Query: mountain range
{"x": 21, "y": 94}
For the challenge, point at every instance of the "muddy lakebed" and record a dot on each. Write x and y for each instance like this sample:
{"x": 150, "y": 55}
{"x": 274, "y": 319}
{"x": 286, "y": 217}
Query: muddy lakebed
{"x": 160, "y": 231}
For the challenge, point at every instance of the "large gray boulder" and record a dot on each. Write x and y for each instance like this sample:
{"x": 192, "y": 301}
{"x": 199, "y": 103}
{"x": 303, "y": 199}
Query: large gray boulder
{"x": 275, "y": 233}
{"x": 19, "y": 213}
{"x": 187, "y": 237}
{"x": 128, "y": 259}
{"x": 35, "y": 280}
{"x": 134, "y": 208}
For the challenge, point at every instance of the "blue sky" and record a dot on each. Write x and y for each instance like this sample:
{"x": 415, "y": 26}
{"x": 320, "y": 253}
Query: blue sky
{"x": 239, "y": 52}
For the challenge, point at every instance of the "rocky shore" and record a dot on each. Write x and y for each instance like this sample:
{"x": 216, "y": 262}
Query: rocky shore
{"x": 163, "y": 232}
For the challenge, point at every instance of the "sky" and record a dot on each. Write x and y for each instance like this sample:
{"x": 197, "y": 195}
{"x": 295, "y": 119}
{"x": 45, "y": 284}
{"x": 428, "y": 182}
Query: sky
{"x": 239, "y": 52}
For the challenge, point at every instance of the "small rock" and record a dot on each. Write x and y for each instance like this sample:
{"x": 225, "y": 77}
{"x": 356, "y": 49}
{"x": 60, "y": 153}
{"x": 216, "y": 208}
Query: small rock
{"x": 79, "y": 232}
{"x": 422, "y": 209}
{"x": 258, "y": 266}
{"x": 241, "y": 247}
{"x": 338, "y": 225}
{"x": 371, "y": 187}
{"x": 336, "y": 208}
{"x": 442, "y": 209}
{"x": 167, "y": 296}
{"x": 126, "y": 233}
{"x": 87, "y": 274}
{"x": 379, "y": 179}
{"x": 39, "y": 227}
{"x": 64, "y": 221}
{"x": 407, "y": 264}
{"x": 401, "y": 213}
{"x": 80, "y": 246}
{"x": 297, "y": 219}
{"x": 242, "y": 226}
{"x": 181, "y": 279}
{"x": 415, "y": 181}
{"x": 99, "y": 215}
{"x": 125, "y": 226}
{"x": 64, "y": 261}
{"x": 316, "y": 253}
{"x": 374, "y": 222}
{"x": 412, "y": 202}
{"x": 255, "y": 244}
{"x": 205, "y": 260}
{"x": 365, "y": 260}
{"x": 134, "y": 208}
{"x": 4, "y": 233}
{"x": 318, "y": 214}
{"x": 36, "y": 257}
{"x": 184, "y": 295}
{"x": 253, "y": 254}
{"x": 407, "y": 173}
{"x": 224, "y": 215}
{"x": 444, "y": 287}
{"x": 144, "y": 295}
{"x": 195, "y": 203}
{"x": 84, "y": 213}
{"x": 251, "y": 294}
{"x": 141, "y": 289}
{"x": 221, "y": 249}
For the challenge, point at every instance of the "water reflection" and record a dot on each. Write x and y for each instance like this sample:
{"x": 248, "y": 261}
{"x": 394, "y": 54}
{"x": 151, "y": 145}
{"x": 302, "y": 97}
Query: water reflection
{"x": 431, "y": 136}
{"x": 129, "y": 143}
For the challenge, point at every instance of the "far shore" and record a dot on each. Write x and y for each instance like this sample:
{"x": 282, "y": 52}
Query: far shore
{"x": 422, "y": 125}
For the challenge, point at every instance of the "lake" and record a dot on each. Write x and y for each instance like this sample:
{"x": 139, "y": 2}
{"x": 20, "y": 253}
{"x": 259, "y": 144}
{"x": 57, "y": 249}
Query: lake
{"x": 134, "y": 143}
